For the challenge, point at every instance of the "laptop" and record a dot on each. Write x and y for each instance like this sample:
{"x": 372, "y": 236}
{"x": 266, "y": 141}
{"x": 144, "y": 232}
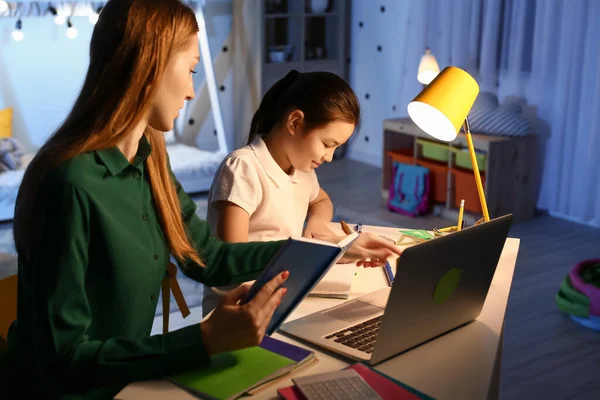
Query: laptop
{"x": 439, "y": 286}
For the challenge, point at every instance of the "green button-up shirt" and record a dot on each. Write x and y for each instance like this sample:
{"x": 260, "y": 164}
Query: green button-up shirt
{"x": 87, "y": 301}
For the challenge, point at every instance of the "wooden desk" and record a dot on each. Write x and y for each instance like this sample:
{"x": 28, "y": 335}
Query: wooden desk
{"x": 463, "y": 364}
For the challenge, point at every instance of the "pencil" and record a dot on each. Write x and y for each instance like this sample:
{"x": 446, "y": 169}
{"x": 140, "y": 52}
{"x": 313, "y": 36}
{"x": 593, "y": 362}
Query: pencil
{"x": 460, "y": 215}
{"x": 448, "y": 229}
{"x": 345, "y": 228}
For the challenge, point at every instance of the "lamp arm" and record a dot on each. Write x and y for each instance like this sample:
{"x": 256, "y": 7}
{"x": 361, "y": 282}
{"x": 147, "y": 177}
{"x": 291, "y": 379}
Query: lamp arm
{"x": 467, "y": 129}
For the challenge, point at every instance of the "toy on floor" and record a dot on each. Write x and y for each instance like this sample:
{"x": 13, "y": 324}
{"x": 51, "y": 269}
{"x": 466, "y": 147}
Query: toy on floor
{"x": 579, "y": 294}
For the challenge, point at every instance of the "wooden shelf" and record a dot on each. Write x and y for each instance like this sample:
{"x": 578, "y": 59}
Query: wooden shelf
{"x": 509, "y": 183}
{"x": 324, "y": 34}
{"x": 326, "y": 14}
{"x": 277, "y": 68}
{"x": 284, "y": 15}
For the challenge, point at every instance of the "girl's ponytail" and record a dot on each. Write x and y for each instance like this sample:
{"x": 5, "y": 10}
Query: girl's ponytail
{"x": 323, "y": 97}
{"x": 270, "y": 111}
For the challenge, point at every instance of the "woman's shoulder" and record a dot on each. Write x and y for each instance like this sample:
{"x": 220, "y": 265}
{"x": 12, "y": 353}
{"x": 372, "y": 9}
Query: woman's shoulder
{"x": 78, "y": 171}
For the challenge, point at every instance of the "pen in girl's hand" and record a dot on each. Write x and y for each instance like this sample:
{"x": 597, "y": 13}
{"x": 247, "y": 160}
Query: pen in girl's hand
{"x": 345, "y": 228}
{"x": 389, "y": 274}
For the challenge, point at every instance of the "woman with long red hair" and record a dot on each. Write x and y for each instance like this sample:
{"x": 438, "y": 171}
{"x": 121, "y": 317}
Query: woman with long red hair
{"x": 98, "y": 214}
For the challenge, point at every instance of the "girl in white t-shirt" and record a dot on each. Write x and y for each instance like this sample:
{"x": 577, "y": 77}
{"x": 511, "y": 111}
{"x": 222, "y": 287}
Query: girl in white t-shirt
{"x": 268, "y": 189}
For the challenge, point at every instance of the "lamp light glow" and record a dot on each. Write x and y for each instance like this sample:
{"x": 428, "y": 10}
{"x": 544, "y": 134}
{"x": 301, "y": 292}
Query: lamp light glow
{"x": 428, "y": 68}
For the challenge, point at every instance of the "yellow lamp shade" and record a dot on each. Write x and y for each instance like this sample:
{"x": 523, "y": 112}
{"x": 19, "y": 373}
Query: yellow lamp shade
{"x": 441, "y": 108}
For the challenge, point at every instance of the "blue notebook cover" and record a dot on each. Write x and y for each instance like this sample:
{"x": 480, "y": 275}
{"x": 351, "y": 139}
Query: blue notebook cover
{"x": 288, "y": 350}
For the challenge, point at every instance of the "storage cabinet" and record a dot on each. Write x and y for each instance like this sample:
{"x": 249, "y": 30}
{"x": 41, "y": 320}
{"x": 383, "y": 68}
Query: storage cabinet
{"x": 506, "y": 165}
{"x": 306, "y": 35}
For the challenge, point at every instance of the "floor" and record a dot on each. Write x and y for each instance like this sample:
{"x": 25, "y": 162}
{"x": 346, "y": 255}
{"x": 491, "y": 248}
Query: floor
{"x": 545, "y": 354}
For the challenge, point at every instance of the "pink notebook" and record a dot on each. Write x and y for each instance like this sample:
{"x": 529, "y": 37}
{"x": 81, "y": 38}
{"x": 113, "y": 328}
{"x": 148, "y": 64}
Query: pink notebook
{"x": 385, "y": 387}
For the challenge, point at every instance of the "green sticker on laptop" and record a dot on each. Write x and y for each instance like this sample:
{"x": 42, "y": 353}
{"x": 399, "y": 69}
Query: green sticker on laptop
{"x": 446, "y": 286}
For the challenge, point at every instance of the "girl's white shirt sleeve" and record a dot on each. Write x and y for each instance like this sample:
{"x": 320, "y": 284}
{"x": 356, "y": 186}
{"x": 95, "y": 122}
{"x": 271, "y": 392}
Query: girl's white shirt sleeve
{"x": 237, "y": 182}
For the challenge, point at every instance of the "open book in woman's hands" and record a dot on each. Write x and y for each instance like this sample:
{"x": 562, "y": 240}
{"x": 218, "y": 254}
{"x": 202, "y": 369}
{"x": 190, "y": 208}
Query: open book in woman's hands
{"x": 307, "y": 260}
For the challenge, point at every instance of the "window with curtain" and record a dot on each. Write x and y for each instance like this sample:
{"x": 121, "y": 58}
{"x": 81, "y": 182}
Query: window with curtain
{"x": 548, "y": 52}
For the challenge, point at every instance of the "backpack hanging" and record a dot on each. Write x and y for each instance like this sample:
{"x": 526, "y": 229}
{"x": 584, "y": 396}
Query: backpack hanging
{"x": 409, "y": 189}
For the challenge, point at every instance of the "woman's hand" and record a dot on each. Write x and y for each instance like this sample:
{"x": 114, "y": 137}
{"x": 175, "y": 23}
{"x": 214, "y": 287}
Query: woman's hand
{"x": 232, "y": 326}
{"x": 317, "y": 228}
{"x": 370, "y": 250}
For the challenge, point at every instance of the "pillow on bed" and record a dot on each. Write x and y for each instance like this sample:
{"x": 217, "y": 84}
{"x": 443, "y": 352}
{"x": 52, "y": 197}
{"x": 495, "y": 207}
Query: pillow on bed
{"x": 6, "y": 123}
{"x": 170, "y": 137}
{"x": 489, "y": 117}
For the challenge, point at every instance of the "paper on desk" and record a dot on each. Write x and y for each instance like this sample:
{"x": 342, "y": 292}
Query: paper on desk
{"x": 336, "y": 283}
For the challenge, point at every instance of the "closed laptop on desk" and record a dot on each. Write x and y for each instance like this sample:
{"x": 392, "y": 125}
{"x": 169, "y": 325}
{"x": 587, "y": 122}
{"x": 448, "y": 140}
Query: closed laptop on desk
{"x": 440, "y": 285}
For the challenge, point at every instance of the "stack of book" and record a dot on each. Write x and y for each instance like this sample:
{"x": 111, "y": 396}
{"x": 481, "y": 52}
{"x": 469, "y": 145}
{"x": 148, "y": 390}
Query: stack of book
{"x": 385, "y": 387}
{"x": 248, "y": 371}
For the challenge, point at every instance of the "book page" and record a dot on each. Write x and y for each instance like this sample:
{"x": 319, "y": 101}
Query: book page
{"x": 336, "y": 283}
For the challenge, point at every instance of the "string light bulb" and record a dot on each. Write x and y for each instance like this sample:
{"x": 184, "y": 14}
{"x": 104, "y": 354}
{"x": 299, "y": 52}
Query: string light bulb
{"x": 59, "y": 19}
{"x": 3, "y": 6}
{"x": 18, "y": 34}
{"x": 71, "y": 30}
{"x": 95, "y": 15}
{"x": 93, "y": 18}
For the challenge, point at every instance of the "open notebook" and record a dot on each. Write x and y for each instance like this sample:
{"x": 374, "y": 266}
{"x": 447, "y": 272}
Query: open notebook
{"x": 307, "y": 260}
{"x": 336, "y": 283}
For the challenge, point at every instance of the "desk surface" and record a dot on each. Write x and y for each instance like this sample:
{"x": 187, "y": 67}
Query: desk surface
{"x": 457, "y": 365}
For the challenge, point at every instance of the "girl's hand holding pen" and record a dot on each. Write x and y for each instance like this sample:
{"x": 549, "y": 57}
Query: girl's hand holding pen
{"x": 371, "y": 250}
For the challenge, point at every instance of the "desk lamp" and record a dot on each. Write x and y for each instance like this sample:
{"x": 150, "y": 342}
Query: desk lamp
{"x": 441, "y": 109}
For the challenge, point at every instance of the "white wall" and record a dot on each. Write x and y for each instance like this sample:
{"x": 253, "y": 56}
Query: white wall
{"x": 218, "y": 15}
{"x": 247, "y": 64}
{"x": 41, "y": 76}
{"x": 378, "y": 73}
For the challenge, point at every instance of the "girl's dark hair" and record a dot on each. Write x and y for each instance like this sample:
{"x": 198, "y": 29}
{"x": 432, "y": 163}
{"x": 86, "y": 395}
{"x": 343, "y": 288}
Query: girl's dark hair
{"x": 323, "y": 97}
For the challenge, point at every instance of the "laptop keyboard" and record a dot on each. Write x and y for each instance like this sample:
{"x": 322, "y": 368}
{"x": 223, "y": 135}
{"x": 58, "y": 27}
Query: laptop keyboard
{"x": 361, "y": 336}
